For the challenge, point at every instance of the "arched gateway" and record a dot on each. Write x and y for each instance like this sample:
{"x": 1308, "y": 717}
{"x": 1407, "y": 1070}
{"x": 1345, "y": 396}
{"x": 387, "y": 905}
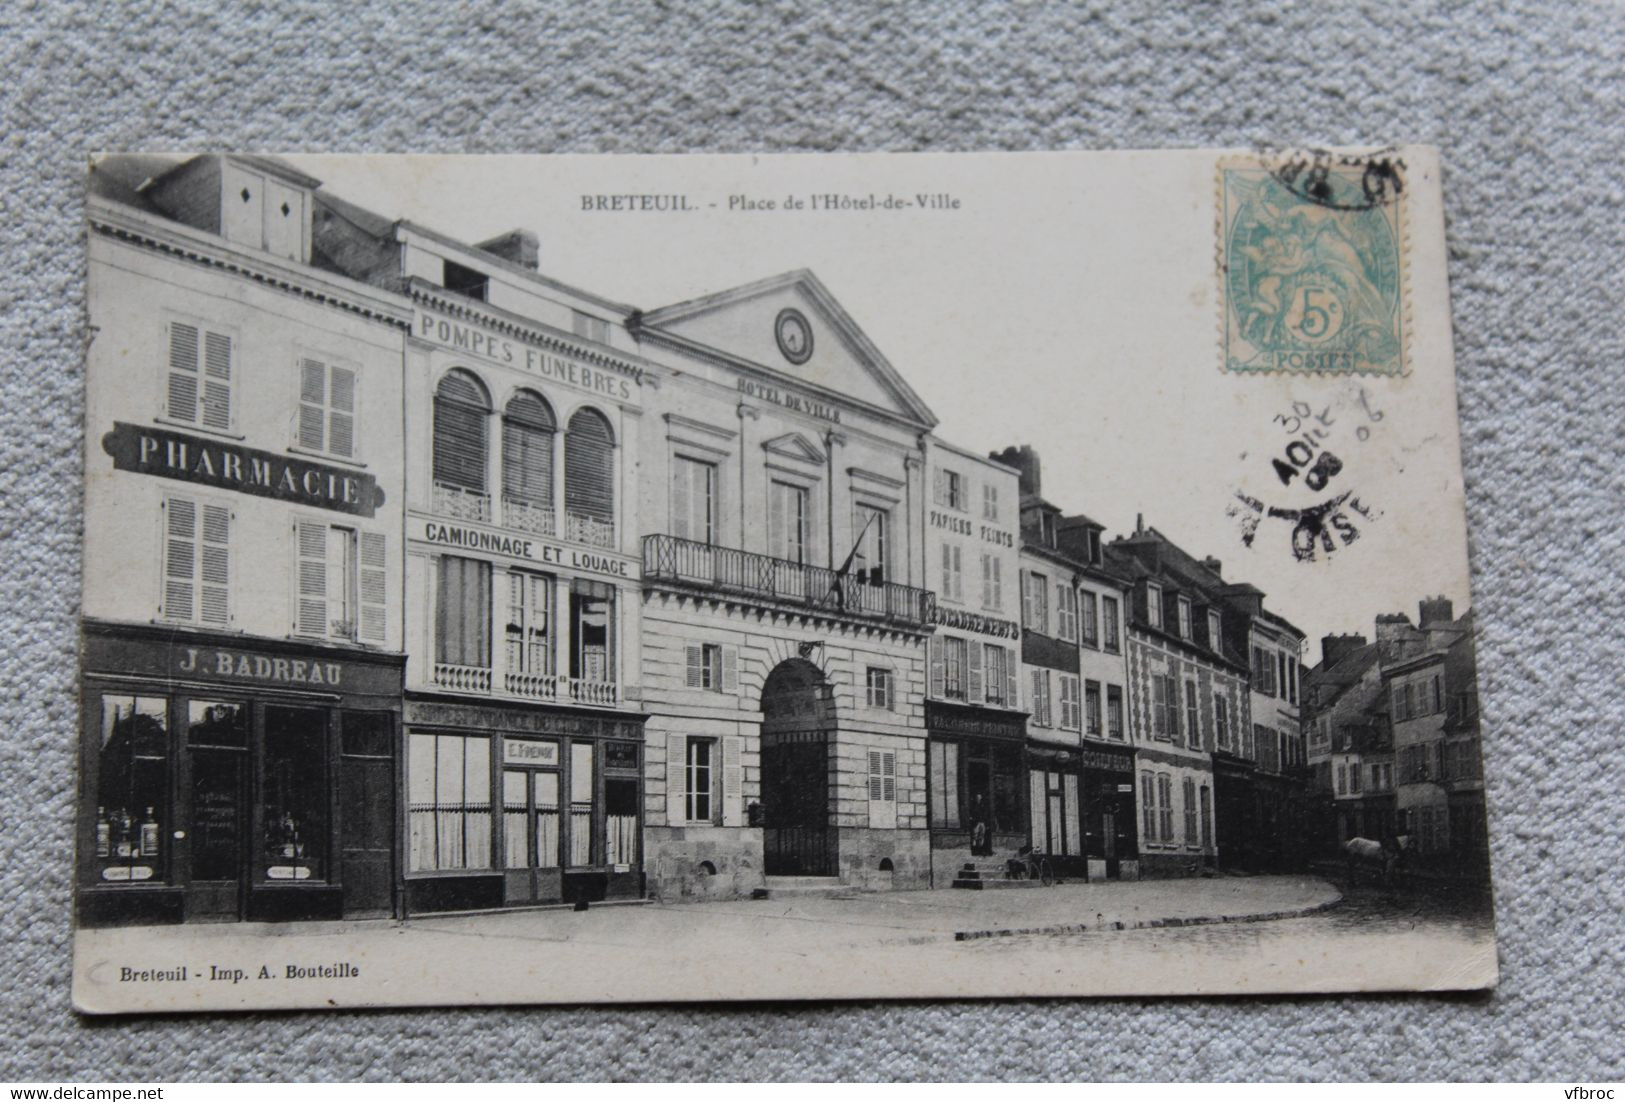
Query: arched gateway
{"x": 798, "y": 728}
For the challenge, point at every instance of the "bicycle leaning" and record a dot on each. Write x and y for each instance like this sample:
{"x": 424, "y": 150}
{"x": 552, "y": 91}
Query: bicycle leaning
{"x": 1032, "y": 864}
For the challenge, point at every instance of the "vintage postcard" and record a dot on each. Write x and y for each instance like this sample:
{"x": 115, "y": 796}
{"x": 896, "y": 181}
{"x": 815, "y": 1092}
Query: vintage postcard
{"x": 642, "y": 578}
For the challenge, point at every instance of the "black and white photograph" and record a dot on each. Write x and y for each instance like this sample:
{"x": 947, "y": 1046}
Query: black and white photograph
{"x": 582, "y": 579}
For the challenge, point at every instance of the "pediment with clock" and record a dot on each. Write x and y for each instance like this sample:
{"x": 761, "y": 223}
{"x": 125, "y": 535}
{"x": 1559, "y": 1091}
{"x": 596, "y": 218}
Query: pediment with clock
{"x": 790, "y": 328}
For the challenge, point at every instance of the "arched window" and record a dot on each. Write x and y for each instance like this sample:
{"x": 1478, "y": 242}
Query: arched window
{"x": 461, "y": 408}
{"x": 528, "y": 428}
{"x": 589, "y": 478}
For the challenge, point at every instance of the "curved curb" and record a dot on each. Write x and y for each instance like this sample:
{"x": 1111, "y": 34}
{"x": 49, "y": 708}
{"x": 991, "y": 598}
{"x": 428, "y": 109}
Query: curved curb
{"x": 1149, "y": 924}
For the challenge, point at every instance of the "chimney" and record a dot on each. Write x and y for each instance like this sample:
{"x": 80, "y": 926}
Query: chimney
{"x": 516, "y": 247}
{"x": 1333, "y": 648}
{"x": 1139, "y": 524}
{"x": 1213, "y": 564}
{"x": 1393, "y": 627}
{"x": 1025, "y": 460}
{"x": 1433, "y": 610}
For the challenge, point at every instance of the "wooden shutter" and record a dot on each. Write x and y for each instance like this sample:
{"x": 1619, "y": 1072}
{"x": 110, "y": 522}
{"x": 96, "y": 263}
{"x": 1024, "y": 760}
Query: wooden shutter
{"x": 184, "y": 382}
{"x": 312, "y": 404}
{"x": 214, "y": 574}
{"x": 681, "y": 473}
{"x": 341, "y": 411}
{"x": 460, "y": 414}
{"x": 527, "y": 449}
{"x": 730, "y": 669}
{"x": 180, "y": 559}
{"x": 973, "y": 660}
{"x": 676, "y": 784}
{"x": 874, "y": 776}
{"x": 1173, "y": 706}
{"x": 695, "y": 655}
{"x": 589, "y": 477}
{"x": 1011, "y": 700}
{"x": 310, "y": 538}
{"x": 936, "y": 662}
{"x": 217, "y": 369}
{"x": 733, "y": 782}
{"x": 939, "y": 493}
{"x": 373, "y": 586}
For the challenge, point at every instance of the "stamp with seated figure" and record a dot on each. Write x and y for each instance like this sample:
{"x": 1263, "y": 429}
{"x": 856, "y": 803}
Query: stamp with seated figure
{"x": 1312, "y": 264}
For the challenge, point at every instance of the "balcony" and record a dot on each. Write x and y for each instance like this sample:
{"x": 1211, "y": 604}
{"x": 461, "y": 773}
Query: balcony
{"x": 551, "y": 688}
{"x": 461, "y": 504}
{"x": 701, "y": 566}
{"x": 589, "y": 530}
{"x": 527, "y": 516}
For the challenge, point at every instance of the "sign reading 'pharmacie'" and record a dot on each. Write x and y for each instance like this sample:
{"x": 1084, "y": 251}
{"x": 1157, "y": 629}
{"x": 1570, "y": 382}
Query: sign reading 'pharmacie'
{"x": 178, "y": 455}
{"x": 462, "y": 337}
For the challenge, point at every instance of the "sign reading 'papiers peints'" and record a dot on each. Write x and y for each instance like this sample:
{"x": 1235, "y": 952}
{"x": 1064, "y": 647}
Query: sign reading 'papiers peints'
{"x": 644, "y": 565}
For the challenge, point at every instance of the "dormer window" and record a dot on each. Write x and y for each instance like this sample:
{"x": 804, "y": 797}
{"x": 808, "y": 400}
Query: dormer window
{"x": 1184, "y": 604}
{"x": 465, "y": 281}
{"x": 1214, "y": 626}
{"x": 263, "y": 212}
{"x": 1153, "y": 604}
{"x": 1092, "y": 546}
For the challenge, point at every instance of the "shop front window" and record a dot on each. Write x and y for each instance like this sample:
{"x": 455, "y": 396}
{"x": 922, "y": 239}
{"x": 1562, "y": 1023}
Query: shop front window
{"x": 132, "y": 812}
{"x": 945, "y": 785}
{"x": 581, "y": 792}
{"x": 621, "y": 821}
{"x": 294, "y": 837}
{"x": 449, "y": 789}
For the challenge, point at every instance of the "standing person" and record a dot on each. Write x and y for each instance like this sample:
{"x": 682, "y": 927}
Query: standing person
{"x": 981, "y": 833}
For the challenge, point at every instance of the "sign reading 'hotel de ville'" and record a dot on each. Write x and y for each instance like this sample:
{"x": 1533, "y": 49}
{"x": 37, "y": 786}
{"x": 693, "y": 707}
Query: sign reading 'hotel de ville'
{"x": 667, "y": 563}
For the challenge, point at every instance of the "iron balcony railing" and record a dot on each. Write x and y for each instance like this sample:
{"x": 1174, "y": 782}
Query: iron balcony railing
{"x": 704, "y": 566}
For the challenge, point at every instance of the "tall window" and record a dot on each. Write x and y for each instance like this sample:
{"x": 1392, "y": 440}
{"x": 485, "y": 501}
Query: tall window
{"x": 952, "y": 576}
{"x": 694, "y": 500}
{"x": 197, "y": 562}
{"x": 1191, "y": 835}
{"x": 327, "y": 407}
{"x": 873, "y": 544}
{"x": 1091, "y": 708}
{"x": 132, "y": 783}
{"x": 878, "y": 687}
{"x": 199, "y": 379}
{"x": 953, "y": 490}
{"x": 449, "y": 801}
{"x": 1165, "y": 805}
{"x": 789, "y": 524}
{"x": 992, "y": 581}
{"x": 1091, "y": 618}
{"x": 589, "y": 478}
{"x": 699, "y": 776}
{"x": 990, "y": 501}
{"x": 1148, "y": 806}
{"x": 1221, "y": 720}
{"x": 592, "y": 615}
{"x": 1114, "y": 712}
{"x": 1215, "y": 636}
{"x": 528, "y": 430}
{"x": 1041, "y": 708}
{"x": 461, "y": 413}
{"x": 463, "y": 613}
{"x": 1069, "y": 701}
{"x": 1066, "y": 612}
{"x": 953, "y": 668}
{"x": 1035, "y": 602}
{"x": 1112, "y": 638}
{"x": 944, "y": 784}
{"x": 530, "y": 624}
{"x": 1153, "y": 604}
{"x": 342, "y": 587}
{"x": 1193, "y": 726}
{"x": 997, "y": 665}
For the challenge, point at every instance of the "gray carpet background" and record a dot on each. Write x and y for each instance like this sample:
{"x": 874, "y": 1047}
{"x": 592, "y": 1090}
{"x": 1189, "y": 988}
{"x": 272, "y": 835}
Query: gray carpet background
{"x": 1526, "y": 103}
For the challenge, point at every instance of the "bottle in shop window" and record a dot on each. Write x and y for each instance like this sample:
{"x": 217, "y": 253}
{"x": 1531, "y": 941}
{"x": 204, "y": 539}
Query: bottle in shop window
{"x": 104, "y": 834}
{"x": 123, "y": 837}
{"x": 149, "y": 836}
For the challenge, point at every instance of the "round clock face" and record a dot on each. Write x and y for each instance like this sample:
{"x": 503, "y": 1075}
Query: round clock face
{"x": 794, "y": 336}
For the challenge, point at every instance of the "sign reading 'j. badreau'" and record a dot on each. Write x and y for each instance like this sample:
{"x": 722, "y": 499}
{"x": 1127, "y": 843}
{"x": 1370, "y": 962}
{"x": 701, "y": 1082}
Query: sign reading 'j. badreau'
{"x": 179, "y": 455}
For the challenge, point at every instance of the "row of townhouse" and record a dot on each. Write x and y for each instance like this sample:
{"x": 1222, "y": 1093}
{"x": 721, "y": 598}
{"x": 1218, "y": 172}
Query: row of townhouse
{"x": 418, "y": 581}
{"x": 1394, "y": 743}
